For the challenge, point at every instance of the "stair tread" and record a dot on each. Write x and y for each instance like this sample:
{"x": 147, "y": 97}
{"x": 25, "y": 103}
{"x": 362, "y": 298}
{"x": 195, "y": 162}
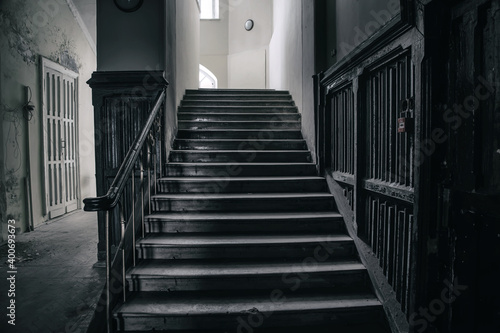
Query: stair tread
{"x": 246, "y": 239}
{"x": 242, "y": 140}
{"x": 214, "y": 268}
{"x": 242, "y": 130}
{"x": 237, "y": 179}
{"x": 184, "y": 196}
{"x": 239, "y": 121}
{"x": 222, "y": 95}
{"x": 225, "y": 90}
{"x": 210, "y": 303}
{"x": 242, "y": 215}
{"x": 210, "y": 151}
{"x": 238, "y": 100}
{"x": 238, "y": 163}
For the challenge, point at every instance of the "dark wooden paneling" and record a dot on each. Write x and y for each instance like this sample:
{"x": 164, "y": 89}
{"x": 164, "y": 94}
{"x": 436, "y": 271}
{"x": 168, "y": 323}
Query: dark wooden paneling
{"x": 122, "y": 102}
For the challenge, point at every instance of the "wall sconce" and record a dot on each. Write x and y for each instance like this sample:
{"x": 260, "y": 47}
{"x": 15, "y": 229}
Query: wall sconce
{"x": 249, "y": 25}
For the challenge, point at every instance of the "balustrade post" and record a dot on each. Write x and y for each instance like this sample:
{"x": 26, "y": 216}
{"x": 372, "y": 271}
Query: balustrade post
{"x": 149, "y": 172}
{"x": 142, "y": 194}
{"x": 133, "y": 217}
{"x": 108, "y": 269}
{"x": 122, "y": 242}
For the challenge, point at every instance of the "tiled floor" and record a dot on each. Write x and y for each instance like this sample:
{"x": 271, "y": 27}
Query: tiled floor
{"x": 57, "y": 287}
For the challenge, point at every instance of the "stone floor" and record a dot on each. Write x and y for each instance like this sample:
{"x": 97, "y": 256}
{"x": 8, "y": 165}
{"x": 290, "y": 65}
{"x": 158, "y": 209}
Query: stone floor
{"x": 57, "y": 287}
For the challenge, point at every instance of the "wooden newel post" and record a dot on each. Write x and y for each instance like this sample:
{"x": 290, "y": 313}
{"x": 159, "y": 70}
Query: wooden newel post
{"x": 121, "y": 102}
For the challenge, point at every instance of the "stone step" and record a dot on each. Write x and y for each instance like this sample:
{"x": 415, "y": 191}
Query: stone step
{"x": 239, "y": 169}
{"x": 236, "y": 102}
{"x": 244, "y": 311}
{"x": 202, "y": 117}
{"x": 238, "y": 109}
{"x": 245, "y": 246}
{"x": 239, "y": 144}
{"x": 241, "y": 134}
{"x": 274, "y": 156}
{"x": 237, "y": 202}
{"x": 185, "y": 124}
{"x": 241, "y": 184}
{"x": 182, "y": 275}
{"x": 244, "y": 222}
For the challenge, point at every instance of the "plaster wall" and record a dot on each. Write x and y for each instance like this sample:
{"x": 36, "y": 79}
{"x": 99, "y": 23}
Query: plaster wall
{"x": 87, "y": 10}
{"x": 214, "y": 44}
{"x": 170, "y": 73}
{"x": 247, "y": 60}
{"x": 187, "y": 47}
{"x": 130, "y": 41}
{"x": 217, "y": 64}
{"x": 28, "y": 30}
{"x": 291, "y": 58}
{"x": 182, "y": 26}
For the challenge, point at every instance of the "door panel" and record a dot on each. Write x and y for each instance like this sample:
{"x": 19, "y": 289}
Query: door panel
{"x": 60, "y": 135}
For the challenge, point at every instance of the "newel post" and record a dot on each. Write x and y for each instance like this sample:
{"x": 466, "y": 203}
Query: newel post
{"x": 122, "y": 101}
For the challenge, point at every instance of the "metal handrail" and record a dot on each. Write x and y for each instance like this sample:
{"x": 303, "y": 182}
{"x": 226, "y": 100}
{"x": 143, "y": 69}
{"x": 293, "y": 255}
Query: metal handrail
{"x": 111, "y": 201}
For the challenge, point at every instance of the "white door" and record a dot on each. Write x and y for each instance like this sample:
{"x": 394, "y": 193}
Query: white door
{"x": 60, "y": 134}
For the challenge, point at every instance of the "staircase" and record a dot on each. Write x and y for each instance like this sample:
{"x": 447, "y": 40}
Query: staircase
{"x": 245, "y": 237}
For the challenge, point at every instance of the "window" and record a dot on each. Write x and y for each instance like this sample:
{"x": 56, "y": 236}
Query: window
{"x": 209, "y": 9}
{"x": 207, "y": 78}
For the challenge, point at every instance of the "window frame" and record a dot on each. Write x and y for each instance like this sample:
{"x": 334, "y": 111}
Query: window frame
{"x": 215, "y": 15}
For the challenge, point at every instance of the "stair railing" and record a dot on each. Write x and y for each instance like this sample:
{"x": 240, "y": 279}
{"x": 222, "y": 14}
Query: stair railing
{"x": 121, "y": 201}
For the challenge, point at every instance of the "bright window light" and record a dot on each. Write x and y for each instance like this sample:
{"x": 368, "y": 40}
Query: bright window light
{"x": 209, "y": 9}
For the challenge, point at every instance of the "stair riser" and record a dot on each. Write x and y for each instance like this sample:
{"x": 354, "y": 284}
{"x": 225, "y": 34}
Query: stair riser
{"x": 202, "y": 103}
{"x": 240, "y": 145}
{"x": 339, "y": 250}
{"x": 248, "y": 135}
{"x": 248, "y": 97}
{"x": 238, "y": 117}
{"x": 244, "y": 204}
{"x": 234, "y": 186}
{"x": 239, "y": 109}
{"x": 236, "y": 92}
{"x": 249, "y": 322}
{"x": 354, "y": 281}
{"x": 240, "y": 171}
{"x": 238, "y": 226}
{"x": 242, "y": 156}
{"x": 239, "y": 125}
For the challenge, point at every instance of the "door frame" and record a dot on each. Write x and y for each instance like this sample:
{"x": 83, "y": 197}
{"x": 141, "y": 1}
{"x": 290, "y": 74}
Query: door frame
{"x": 47, "y": 63}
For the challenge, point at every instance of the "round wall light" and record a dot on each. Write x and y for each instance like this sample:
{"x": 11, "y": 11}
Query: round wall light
{"x": 249, "y": 25}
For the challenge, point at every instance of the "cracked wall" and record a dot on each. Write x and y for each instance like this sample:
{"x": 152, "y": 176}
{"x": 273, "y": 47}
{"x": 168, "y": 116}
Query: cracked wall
{"x": 29, "y": 30}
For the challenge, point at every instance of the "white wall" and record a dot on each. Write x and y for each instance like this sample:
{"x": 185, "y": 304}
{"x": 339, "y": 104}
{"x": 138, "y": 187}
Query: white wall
{"x": 247, "y": 61}
{"x": 187, "y": 47}
{"x": 291, "y": 58}
{"x": 28, "y": 30}
{"x": 238, "y": 57}
{"x": 181, "y": 54}
{"x": 214, "y": 48}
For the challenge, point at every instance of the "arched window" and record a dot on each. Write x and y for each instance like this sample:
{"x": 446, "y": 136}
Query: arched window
{"x": 207, "y": 78}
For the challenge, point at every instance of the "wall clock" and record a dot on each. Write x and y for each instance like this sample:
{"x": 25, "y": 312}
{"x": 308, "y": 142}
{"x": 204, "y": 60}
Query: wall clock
{"x": 129, "y": 5}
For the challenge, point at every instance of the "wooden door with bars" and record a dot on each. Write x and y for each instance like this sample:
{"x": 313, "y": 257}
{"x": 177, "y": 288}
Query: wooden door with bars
{"x": 60, "y": 138}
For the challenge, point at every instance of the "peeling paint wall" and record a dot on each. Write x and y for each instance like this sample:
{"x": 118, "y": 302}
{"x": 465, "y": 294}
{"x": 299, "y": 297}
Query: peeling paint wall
{"x": 28, "y": 30}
